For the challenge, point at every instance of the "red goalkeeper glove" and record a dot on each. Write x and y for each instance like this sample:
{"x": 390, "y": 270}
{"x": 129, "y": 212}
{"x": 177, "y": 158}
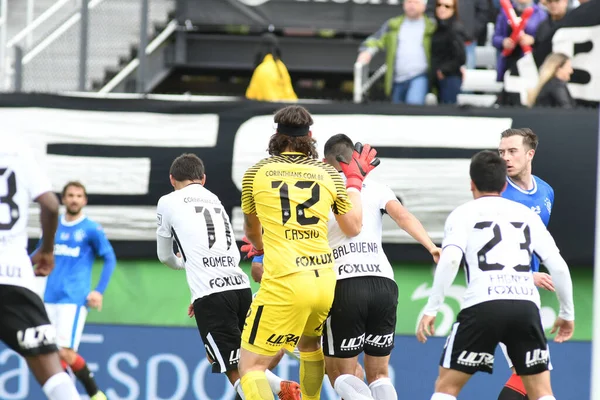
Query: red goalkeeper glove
{"x": 250, "y": 249}
{"x": 363, "y": 161}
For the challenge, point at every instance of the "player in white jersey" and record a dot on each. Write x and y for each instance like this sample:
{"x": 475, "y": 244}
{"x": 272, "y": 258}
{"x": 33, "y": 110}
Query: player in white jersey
{"x": 496, "y": 238}
{"x": 25, "y": 326}
{"x": 363, "y": 314}
{"x": 195, "y": 219}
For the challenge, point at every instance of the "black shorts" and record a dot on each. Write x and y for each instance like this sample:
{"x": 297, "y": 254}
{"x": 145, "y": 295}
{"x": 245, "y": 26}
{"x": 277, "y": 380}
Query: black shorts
{"x": 220, "y": 318}
{"x": 362, "y": 317}
{"x": 478, "y": 330}
{"x": 24, "y": 325}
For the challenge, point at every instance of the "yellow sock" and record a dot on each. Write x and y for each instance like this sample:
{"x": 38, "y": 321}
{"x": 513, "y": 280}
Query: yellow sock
{"x": 312, "y": 371}
{"x": 256, "y": 386}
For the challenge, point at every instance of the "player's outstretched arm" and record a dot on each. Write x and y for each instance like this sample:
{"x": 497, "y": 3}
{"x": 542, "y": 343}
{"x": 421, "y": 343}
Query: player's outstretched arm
{"x": 445, "y": 274}
{"x": 409, "y": 223}
{"x": 44, "y": 257}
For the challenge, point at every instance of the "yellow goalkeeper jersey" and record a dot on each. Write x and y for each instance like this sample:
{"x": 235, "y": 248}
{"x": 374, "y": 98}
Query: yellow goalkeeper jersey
{"x": 292, "y": 195}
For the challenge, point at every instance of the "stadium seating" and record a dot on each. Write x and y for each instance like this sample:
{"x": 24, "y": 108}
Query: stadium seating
{"x": 218, "y": 40}
{"x": 113, "y": 29}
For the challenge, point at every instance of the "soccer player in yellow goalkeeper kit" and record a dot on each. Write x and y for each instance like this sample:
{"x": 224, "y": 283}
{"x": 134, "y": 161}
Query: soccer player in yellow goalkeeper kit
{"x": 289, "y": 196}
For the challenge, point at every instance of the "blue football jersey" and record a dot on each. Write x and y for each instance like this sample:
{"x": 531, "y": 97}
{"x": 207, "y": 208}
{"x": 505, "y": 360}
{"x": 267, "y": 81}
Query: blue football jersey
{"x": 76, "y": 246}
{"x": 540, "y": 199}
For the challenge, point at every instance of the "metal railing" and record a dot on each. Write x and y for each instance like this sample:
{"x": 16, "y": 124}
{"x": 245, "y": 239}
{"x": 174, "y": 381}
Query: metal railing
{"x": 363, "y": 82}
{"x": 3, "y": 36}
{"x": 138, "y": 63}
{"x": 19, "y": 45}
{"x": 69, "y": 35}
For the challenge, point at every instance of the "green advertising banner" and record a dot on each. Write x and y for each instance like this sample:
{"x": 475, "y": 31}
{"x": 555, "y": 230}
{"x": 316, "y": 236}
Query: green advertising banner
{"x": 149, "y": 293}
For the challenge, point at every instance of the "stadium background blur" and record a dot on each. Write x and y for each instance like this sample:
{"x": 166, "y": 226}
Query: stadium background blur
{"x": 74, "y": 86}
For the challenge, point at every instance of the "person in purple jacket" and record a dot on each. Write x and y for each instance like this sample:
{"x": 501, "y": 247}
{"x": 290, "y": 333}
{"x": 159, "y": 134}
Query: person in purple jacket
{"x": 502, "y": 32}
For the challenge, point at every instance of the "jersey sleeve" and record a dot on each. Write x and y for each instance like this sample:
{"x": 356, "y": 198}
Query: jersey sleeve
{"x": 385, "y": 196}
{"x": 99, "y": 241}
{"x": 342, "y": 203}
{"x": 38, "y": 182}
{"x": 542, "y": 242}
{"x": 162, "y": 219}
{"x": 456, "y": 231}
{"x": 248, "y": 205}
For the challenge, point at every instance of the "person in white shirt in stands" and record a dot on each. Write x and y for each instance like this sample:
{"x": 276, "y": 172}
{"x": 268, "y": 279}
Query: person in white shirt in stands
{"x": 496, "y": 238}
{"x": 25, "y": 326}
{"x": 195, "y": 219}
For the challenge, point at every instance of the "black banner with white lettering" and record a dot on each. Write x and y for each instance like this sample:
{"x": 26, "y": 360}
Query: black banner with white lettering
{"x": 122, "y": 150}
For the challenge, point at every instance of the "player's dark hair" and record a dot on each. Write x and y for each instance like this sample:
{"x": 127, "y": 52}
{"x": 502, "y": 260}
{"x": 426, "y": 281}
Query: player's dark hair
{"x": 338, "y": 145}
{"x": 530, "y": 139}
{"x": 187, "y": 167}
{"x": 294, "y": 117}
{"x": 488, "y": 172}
{"x": 76, "y": 184}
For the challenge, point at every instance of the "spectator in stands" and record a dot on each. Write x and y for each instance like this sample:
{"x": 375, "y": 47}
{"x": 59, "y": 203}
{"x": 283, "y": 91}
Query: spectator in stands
{"x": 551, "y": 89}
{"x": 557, "y": 9}
{"x": 407, "y": 42}
{"x": 502, "y": 40}
{"x": 447, "y": 51}
{"x": 271, "y": 80}
{"x": 474, "y": 16}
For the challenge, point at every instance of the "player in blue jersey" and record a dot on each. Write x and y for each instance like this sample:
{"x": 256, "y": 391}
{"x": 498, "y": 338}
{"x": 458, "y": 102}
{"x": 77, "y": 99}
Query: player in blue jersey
{"x": 517, "y": 148}
{"x": 78, "y": 242}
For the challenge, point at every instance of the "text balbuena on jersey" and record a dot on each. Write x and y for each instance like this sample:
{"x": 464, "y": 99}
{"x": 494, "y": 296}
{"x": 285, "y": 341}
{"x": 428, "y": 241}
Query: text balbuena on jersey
{"x": 21, "y": 182}
{"x": 363, "y": 254}
{"x": 197, "y": 220}
{"x": 292, "y": 196}
{"x": 498, "y": 237}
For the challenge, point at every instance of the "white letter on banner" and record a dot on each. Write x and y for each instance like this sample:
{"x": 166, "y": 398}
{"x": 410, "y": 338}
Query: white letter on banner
{"x": 564, "y": 41}
{"x": 21, "y": 373}
{"x": 200, "y": 373}
{"x": 126, "y": 380}
{"x": 183, "y": 378}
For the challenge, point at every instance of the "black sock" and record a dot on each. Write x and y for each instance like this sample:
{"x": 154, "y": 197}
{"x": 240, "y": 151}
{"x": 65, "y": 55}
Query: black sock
{"x": 86, "y": 377}
{"x": 511, "y": 394}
